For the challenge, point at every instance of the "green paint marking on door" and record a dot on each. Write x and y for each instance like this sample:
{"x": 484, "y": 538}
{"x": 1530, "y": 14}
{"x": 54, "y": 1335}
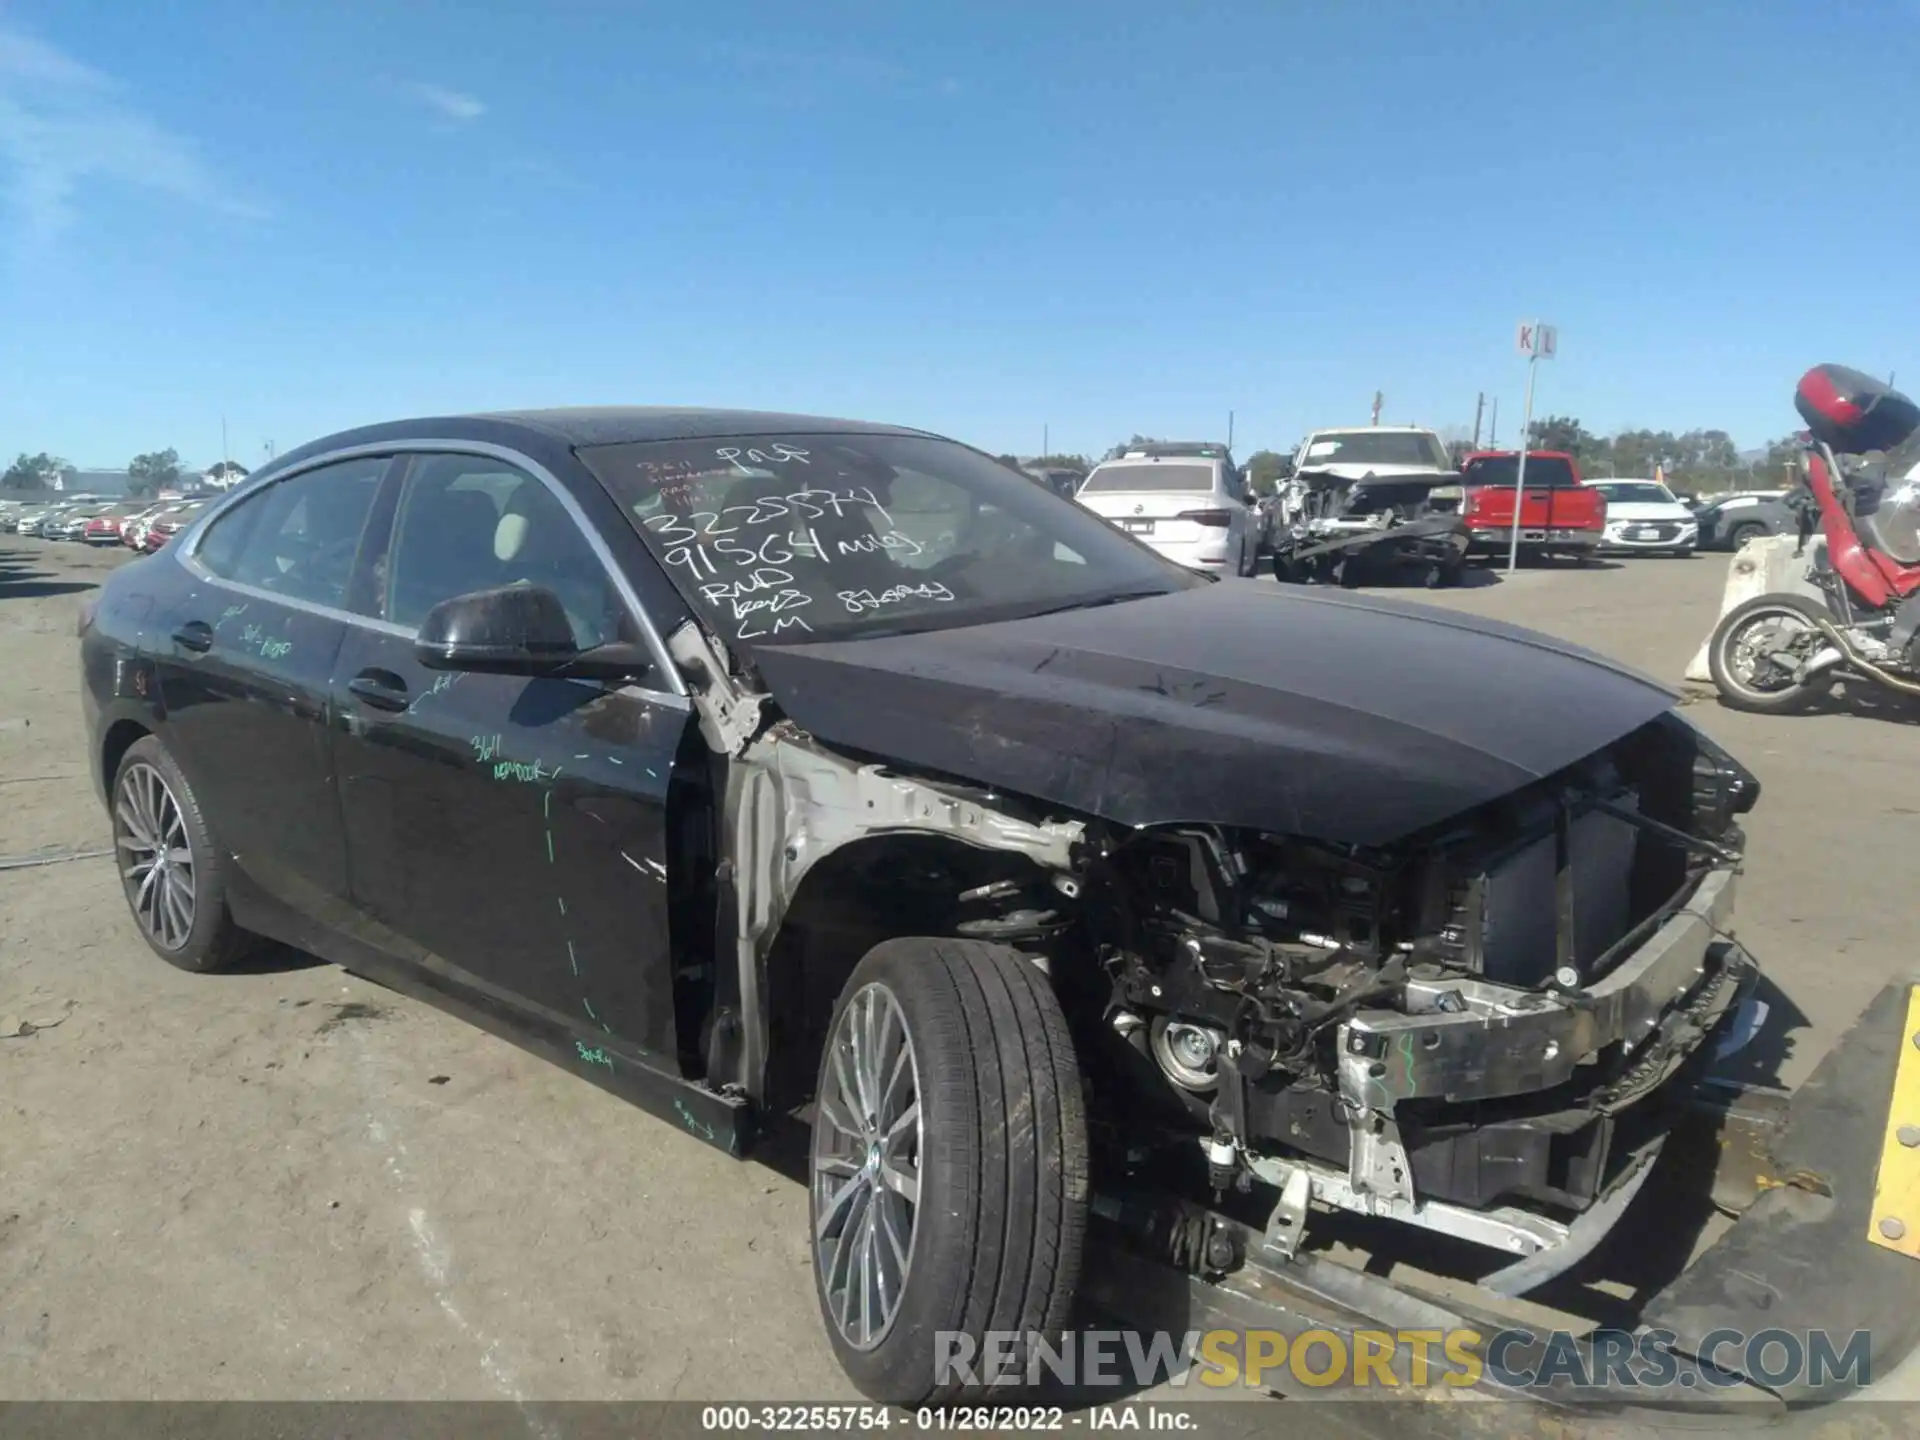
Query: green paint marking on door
{"x": 693, "y": 1122}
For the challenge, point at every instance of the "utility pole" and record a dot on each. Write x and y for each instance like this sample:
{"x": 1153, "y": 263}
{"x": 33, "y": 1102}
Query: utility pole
{"x": 1378, "y": 398}
{"x": 1230, "y": 426}
{"x": 1535, "y": 341}
{"x": 1479, "y": 408}
{"x": 1493, "y": 425}
{"x": 1046, "y": 441}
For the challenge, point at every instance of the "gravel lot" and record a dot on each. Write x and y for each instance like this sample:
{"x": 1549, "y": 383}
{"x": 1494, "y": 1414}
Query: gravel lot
{"x": 290, "y": 1183}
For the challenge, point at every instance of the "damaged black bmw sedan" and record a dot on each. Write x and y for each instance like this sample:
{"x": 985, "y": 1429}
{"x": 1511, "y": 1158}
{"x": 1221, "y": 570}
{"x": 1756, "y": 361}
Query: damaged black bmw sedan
{"x": 754, "y": 765}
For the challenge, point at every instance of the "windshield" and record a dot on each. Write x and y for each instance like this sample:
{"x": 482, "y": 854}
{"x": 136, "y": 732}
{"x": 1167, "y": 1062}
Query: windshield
{"x": 1641, "y": 492}
{"x": 1372, "y": 447}
{"x": 777, "y": 539}
{"x": 1545, "y": 472}
{"x": 1133, "y": 477}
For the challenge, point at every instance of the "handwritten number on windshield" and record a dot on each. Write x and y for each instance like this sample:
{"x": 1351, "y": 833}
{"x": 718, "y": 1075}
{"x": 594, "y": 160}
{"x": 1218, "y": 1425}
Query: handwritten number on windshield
{"x": 859, "y": 601}
{"x": 743, "y": 566}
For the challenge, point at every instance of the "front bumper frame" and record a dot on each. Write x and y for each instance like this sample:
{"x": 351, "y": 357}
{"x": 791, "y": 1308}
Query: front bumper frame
{"x": 1647, "y": 1019}
{"x": 1469, "y": 1040}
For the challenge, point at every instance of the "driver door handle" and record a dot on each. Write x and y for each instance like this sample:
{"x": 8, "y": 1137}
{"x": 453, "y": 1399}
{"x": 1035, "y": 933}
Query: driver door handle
{"x": 381, "y": 689}
{"x": 195, "y": 635}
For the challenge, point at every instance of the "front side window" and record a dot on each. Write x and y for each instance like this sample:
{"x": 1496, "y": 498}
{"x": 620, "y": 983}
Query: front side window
{"x": 779, "y": 539}
{"x": 297, "y": 537}
{"x": 468, "y": 522}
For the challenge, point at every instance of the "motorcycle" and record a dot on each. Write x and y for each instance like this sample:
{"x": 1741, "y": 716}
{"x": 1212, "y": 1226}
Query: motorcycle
{"x": 1860, "y": 485}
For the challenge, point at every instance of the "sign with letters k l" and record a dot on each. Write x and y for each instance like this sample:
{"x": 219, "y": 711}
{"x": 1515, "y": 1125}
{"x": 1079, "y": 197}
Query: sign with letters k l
{"x": 1536, "y": 341}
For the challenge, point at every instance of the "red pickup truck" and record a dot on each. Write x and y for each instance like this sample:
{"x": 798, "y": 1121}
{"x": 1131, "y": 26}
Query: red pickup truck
{"x": 1558, "y": 516}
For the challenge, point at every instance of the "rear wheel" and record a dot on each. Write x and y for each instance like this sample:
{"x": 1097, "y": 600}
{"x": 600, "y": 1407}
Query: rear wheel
{"x": 1753, "y": 649}
{"x": 948, "y": 1169}
{"x": 170, "y": 865}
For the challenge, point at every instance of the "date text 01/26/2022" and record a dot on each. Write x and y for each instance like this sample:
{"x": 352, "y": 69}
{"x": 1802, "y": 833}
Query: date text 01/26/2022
{"x": 862, "y": 1419}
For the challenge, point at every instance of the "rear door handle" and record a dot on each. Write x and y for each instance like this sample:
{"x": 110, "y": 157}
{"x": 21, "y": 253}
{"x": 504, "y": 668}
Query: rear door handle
{"x": 381, "y": 689}
{"x": 195, "y": 635}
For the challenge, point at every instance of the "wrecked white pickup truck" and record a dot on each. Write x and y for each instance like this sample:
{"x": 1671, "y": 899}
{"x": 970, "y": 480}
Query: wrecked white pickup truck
{"x": 1362, "y": 506}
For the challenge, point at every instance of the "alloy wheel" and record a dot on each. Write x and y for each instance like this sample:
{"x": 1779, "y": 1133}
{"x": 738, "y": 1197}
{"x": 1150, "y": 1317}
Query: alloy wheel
{"x": 865, "y": 1169}
{"x": 157, "y": 867}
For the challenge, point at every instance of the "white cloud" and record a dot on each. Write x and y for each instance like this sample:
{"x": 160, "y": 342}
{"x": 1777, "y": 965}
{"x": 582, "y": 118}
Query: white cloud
{"x": 453, "y": 105}
{"x": 63, "y": 123}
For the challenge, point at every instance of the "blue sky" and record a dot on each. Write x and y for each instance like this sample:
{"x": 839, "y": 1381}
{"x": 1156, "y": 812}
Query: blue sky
{"x": 982, "y": 218}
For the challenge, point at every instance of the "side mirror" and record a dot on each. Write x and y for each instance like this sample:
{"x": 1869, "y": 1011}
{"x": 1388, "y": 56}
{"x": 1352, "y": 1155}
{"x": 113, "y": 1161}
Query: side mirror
{"x": 516, "y": 630}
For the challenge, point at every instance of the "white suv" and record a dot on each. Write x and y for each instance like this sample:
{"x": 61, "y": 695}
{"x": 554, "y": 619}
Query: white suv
{"x": 1188, "y": 502}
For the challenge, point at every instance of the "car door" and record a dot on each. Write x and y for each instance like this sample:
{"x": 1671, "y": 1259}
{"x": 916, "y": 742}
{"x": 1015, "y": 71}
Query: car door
{"x": 509, "y": 833}
{"x": 245, "y": 657}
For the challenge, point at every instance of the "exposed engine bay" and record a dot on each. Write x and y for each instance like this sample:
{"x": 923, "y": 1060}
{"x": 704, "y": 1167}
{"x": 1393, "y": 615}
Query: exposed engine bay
{"x": 1327, "y": 526}
{"x": 1471, "y": 1029}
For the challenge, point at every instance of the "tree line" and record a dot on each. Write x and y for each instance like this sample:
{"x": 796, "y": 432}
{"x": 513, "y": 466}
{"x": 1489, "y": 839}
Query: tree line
{"x": 147, "y": 473}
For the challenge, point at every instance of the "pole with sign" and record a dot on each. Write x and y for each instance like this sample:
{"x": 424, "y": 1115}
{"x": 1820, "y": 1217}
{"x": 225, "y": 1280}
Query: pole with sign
{"x": 1537, "y": 342}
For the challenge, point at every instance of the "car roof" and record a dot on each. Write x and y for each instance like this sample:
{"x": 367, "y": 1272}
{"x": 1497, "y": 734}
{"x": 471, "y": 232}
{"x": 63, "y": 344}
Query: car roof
{"x": 628, "y": 424}
{"x": 542, "y": 431}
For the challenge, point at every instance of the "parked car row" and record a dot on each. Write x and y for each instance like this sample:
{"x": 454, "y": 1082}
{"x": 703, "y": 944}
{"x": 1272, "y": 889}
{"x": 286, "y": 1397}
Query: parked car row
{"x": 1362, "y": 500}
{"x": 143, "y": 525}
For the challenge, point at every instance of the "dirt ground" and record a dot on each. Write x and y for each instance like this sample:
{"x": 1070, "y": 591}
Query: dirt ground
{"x": 290, "y": 1183}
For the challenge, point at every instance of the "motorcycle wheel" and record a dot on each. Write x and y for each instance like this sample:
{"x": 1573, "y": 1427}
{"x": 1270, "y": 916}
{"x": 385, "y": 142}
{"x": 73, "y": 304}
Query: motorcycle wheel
{"x": 1742, "y": 672}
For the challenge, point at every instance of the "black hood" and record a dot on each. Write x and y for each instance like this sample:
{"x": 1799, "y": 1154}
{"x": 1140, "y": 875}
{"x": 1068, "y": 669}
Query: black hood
{"x": 1345, "y": 718}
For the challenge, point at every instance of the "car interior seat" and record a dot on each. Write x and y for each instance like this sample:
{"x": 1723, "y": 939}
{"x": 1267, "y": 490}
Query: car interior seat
{"x": 445, "y": 549}
{"x": 536, "y": 543}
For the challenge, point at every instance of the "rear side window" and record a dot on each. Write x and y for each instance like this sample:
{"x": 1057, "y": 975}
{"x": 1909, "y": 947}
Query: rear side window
{"x": 1548, "y": 472}
{"x": 1142, "y": 478}
{"x": 297, "y": 538}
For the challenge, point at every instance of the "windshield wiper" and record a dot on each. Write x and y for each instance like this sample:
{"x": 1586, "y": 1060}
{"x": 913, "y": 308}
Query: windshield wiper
{"x": 1124, "y": 595}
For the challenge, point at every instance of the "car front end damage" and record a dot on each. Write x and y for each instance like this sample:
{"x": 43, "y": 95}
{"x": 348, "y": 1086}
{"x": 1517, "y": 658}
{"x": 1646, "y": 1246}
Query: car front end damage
{"x": 1485, "y": 1027}
{"x": 1328, "y": 525}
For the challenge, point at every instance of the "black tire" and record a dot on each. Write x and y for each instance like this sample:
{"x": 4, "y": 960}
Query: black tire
{"x": 1001, "y": 1165}
{"x": 208, "y": 940}
{"x": 1740, "y": 534}
{"x": 1735, "y": 693}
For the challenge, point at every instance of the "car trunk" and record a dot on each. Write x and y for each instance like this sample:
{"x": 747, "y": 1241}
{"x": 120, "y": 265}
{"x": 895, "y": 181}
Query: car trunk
{"x": 1162, "y": 517}
{"x": 1167, "y": 504}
